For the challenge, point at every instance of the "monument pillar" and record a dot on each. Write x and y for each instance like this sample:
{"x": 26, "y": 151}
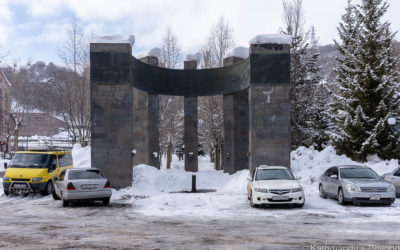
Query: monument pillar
{"x": 190, "y": 131}
{"x": 269, "y": 104}
{"x": 236, "y": 127}
{"x": 111, "y": 112}
{"x": 146, "y": 130}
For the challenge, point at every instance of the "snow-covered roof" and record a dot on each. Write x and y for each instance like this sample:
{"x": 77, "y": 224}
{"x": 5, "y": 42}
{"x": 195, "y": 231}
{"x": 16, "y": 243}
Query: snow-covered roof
{"x": 193, "y": 57}
{"x": 154, "y": 52}
{"x": 241, "y": 52}
{"x": 271, "y": 38}
{"x": 115, "y": 39}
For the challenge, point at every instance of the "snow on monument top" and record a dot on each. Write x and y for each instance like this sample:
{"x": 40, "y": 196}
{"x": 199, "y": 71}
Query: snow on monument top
{"x": 241, "y": 52}
{"x": 154, "y": 52}
{"x": 271, "y": 38}
{"x": 115, "y": 39}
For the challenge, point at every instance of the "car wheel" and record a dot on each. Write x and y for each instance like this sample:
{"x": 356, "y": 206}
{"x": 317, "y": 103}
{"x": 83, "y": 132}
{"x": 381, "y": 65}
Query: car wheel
{"x": 251, "y": 200}
{"x": 65, "y": 202}
{"x": 322, "y": 192}
{"x": 106, "y": 201}
{"x": 48, "y": 189}
{"x": 6, "y": 192}
{"x": 55, "y": 196}
{"x": 341, "y": 197}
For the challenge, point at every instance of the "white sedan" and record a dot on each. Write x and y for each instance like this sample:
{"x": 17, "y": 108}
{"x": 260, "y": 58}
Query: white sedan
{"x": 274, "y": 185}
{"x": 82, "y": 184}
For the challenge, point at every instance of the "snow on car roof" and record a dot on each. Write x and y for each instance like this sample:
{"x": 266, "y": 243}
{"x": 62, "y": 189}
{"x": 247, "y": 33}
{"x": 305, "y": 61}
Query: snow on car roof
{"x": 271, "y": 167}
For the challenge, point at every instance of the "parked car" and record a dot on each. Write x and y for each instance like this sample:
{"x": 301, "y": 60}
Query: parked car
{"x": 355, "y": 184}
{"x": 274, "y": 185}
{"x": 33, "y": 171}
{"x": 394, "y": 178}
{"x": 82, "y": 184}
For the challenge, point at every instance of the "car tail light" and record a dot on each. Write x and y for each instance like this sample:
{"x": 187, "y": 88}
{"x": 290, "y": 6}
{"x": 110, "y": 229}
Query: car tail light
{"x": 70, "y": 186}
{"x": 108, "y": 184}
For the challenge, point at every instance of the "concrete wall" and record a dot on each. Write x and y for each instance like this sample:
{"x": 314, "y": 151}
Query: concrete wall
{"x": 111, "y": 112}
{"x": 269, "y": 105}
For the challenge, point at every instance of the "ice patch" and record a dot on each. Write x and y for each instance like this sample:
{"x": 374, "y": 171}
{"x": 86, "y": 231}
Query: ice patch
{"x": 271, "y": 38}
{"x": 115, "y": 39}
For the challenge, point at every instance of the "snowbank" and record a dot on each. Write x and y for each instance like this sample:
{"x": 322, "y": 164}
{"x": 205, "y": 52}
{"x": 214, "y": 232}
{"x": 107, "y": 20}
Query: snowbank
{"x": 81, "y": 156}
{"x": 241, "y": 52}
{"x": 271, "y": 38}
{"x": 115, "y": 39}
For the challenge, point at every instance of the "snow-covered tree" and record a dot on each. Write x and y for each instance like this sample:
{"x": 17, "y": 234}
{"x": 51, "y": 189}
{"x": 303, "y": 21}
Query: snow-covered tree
{"x": 367, "y": 94}
{"x": 308, "y": 95}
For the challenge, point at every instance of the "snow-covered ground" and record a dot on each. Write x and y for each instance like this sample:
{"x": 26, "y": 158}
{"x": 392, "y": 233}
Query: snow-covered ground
{"x": 153, "y": 191}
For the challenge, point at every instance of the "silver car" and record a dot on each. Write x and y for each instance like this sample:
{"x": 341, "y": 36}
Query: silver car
{"x": 394, "y": 178}
{"x": 82, "y": 184}
{"x": 356, "y": 184}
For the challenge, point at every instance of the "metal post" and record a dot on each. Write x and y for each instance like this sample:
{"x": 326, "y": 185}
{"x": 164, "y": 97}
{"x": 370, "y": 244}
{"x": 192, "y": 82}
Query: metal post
{"x": 194, "y": 190}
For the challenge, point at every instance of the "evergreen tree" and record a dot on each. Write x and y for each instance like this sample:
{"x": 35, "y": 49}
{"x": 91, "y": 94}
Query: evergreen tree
{"x": 367, "y": 88}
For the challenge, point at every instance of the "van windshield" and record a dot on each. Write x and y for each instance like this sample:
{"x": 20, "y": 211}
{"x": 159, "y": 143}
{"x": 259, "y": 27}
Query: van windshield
{"x": 30, "y": 161}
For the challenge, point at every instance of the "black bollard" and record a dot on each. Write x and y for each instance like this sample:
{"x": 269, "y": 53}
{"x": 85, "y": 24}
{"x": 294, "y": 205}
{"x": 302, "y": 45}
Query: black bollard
{"x": 194, "y": 190}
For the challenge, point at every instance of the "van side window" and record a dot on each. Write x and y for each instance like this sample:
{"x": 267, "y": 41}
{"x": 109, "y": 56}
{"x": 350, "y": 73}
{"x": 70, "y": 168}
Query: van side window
{"x": 62, "y": 175}
{"x": 65, "y": 160}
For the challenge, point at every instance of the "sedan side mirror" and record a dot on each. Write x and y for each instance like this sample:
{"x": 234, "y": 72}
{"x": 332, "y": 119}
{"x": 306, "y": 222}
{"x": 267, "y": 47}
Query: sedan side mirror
{"x": 334, "y": 176}
{"x": 5, "y": 165}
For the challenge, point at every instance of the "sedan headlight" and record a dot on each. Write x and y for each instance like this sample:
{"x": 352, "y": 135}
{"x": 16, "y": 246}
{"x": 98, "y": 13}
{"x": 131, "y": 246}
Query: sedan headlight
{"x": 351, "y": 188}
{"x": 37, "y": 179}
{"x": 391, "y": 188}
{"x": 261, "y": 190}
{"x": 295, "y": 190}
{"x": 5, "y": 178}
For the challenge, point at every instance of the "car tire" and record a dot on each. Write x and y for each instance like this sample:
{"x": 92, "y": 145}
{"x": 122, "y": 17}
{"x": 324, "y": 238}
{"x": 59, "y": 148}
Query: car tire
{"x": 55, "y": 196}
{"x": 322, "y": 193}
{"x": 106, "y": 201}
{"x": 48, "y": 189}
{"x": 251, "y": 200}
{"x": 6, "y": 192}
{"x": 340, "y": 197}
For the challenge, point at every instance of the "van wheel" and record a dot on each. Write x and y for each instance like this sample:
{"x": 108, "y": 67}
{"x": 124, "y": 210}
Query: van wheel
{"x": 6, "y": 192}
{"x": 48, "y": 189}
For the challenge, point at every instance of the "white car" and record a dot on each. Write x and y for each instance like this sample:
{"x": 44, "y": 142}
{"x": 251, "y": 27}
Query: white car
{"x": 274, "y": 185}
{"x": 82, "y": 184}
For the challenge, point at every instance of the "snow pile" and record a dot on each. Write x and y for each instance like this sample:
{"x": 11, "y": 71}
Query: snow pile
{"x": 241, "y": 52}
{"x": 271, "y": 38}
{"x": 81, "y": 156}
{"x": 193, "y": 57}
{"x": 2, "y": 161}
{"x": 310, "y": 164}
{"x": 115, "y": 39}
{"x": 154, "y": 52}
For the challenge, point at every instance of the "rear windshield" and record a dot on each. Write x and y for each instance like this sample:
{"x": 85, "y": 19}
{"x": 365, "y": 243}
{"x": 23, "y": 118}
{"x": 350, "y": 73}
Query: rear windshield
{"x": 358, "y": 173}
{"x": 85, "y": 174}
{"x": 274, "y": 174}
{"x": 30, "y": 161}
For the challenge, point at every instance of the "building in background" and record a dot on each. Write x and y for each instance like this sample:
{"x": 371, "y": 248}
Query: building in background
{"x": 5, "y": 104}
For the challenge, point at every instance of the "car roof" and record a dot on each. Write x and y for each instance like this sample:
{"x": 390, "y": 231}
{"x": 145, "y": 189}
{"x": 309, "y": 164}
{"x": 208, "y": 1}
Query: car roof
{"x": 350, "y": 166}
{"x": 82, "y": 169}
{"x": 271, "y": 167}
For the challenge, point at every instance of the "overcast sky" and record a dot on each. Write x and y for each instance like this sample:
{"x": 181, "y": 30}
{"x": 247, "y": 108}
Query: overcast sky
{"x": 35, "y": 29}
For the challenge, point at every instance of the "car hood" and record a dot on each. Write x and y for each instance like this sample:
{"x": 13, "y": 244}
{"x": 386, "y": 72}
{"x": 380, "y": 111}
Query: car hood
{"x": 277, "y": 184}
{"x": 25, "y": 173}
{"x": 367, "y": 182}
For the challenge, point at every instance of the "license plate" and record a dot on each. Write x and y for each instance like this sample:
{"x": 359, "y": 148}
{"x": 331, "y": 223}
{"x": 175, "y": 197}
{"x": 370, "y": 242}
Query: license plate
{"x": 88, "y": 186}
{"x": 280, "y": 198}
{"x": 374, "y": 197}
{"x": 19, "y": 185}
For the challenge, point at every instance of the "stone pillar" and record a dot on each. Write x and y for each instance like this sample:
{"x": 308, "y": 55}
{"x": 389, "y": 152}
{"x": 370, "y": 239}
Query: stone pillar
{"x": 146, "y": 130}
{"x": 190, "y": 132}
{"x": 111, "y": 112}
{"x": 236, "y": 127}
{"x": 269, "y": 105}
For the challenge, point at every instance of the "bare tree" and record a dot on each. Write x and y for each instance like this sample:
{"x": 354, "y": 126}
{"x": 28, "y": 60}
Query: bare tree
{"x": 219, "y": 42}
{"x": 170, "y": 107}
{"x": 75, "y": 89}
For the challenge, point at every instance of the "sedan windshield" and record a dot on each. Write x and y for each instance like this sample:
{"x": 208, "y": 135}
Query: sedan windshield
{"x": 85, "y": 174}
{"x": 358, "y": 173}
{"x": 30, "y": 161}
{"x": 274, "y": 174}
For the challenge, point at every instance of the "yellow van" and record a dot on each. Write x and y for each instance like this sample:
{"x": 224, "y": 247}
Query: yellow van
{"x": 34, "y": 171}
